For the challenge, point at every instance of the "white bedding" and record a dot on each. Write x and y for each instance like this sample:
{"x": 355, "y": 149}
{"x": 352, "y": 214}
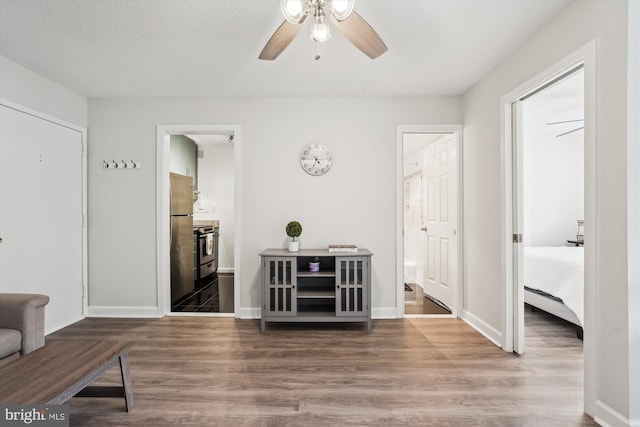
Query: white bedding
{"x": 558, "y": 271}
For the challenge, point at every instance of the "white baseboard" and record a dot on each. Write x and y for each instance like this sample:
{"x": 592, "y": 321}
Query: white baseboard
{"x": 113, "y": 311}
{"x": 384, "y": 313}
{"x": 486, "y": 330}
{"x": 608, "y": 417}
{"x": 250, "y": 313}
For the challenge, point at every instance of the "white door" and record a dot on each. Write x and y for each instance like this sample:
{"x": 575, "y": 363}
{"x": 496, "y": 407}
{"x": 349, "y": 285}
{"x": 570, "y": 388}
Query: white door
{"x": 440, "y": 217}
{"x": 41, "y": 206}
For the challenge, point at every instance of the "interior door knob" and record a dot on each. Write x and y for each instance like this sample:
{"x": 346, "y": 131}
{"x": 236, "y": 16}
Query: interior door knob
{"x": 423, "y": 228}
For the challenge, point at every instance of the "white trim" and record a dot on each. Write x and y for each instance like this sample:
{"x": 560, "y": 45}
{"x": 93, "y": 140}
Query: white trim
{"x": 633, "y": 209}
{"x": 83, "y": 132}
{"x": 456, "y": 129}
{"x": 383, "y": 312}
{"x": 114, "y": 311}
{"x": 609, "y": 417}
{"x": 485, "y": 329}
{"x": 163, "y": 133}
{"x": 249, "y": 313}
{"x": 226, "y": 270}
{"x": 585, "y": 55}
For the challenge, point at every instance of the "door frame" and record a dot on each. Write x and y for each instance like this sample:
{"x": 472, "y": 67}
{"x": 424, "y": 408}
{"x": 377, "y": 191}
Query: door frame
{"x": 163, "y": 134}
{"x": 513, "y": 314}
{"x": 455, "y": 129}
{"x": 83, "y": 134}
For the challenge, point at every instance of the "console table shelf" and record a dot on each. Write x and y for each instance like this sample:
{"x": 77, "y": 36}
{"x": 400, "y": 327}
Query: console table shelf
{"x": 339, "y": 292}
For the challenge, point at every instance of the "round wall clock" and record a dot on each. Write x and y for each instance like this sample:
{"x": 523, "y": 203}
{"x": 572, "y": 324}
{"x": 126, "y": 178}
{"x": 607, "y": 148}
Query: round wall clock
{"x": 316, "y": 159}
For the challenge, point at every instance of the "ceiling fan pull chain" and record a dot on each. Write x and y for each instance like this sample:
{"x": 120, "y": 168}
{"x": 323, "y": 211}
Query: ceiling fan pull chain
{"x": 317, "y": 57}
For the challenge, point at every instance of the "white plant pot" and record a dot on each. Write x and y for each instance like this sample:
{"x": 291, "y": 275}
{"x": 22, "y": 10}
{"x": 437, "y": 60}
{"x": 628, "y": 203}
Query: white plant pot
{"x": 294, "y": 246}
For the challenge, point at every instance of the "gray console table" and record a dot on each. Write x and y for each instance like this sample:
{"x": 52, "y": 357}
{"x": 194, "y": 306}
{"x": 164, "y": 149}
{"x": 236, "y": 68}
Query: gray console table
{"x": 339, "y": 292}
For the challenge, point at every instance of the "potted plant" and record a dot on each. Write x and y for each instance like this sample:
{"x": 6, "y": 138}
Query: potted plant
{"x": 294, "y": 229}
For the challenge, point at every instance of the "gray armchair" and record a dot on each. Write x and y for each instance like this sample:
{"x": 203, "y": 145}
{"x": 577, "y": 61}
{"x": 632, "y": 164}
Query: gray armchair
{"x": 21, "y": 324}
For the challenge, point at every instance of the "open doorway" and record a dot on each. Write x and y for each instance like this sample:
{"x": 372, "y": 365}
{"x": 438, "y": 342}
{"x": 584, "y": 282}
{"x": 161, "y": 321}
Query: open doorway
{"x": 202, "y": 222}
{"x": 429, "y": 197}
{"x": 552, "y": 210}
{"x": 550, "y": 187}
{"x": 205, "y": 158}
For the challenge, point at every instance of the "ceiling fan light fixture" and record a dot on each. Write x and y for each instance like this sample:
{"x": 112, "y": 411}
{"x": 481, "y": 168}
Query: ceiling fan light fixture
{"x": 294, "y": 10}
{"x": 320, "y": 32}
{"x": 341, "y": 9}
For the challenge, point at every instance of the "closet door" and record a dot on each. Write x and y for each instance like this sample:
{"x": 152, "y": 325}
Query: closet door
{"x": 41, "y": 202}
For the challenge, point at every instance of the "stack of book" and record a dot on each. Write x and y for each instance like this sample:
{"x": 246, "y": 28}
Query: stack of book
{"x": 343, "y": 248}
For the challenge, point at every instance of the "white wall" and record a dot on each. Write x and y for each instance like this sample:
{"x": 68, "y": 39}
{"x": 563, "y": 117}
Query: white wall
{"x": 354, "y": 202}
{"x": 22, "y": 86}
{"x": 576, "y": 25}
{"x": 553, "y": 189}
{"x": 553, "y": 166}
{"x": 216, "y": 184}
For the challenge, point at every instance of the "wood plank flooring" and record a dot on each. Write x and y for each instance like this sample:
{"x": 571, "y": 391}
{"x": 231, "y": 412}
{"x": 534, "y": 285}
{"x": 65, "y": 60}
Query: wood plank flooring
{"x": 417, "y": 302}
{"x": 413, "y": 372}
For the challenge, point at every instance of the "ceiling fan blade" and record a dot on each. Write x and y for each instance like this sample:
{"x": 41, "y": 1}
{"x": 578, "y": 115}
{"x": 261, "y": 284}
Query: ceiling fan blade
{"x": 281, "y": 39}
{"x": 571, "y": 131}
{"x": 361, "y": 35}
{"x": 565, "y": 121}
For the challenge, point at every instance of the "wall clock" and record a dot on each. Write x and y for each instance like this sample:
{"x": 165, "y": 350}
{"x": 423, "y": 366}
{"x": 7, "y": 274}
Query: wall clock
{"x": 316, "y": 159}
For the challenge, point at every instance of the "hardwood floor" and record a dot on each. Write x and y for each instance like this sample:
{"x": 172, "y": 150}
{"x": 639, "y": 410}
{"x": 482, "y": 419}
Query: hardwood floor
{"x": 411, "y": 372}
{"x": 417, "y": 302}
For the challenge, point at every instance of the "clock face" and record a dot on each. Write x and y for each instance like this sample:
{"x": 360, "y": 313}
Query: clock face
{"x": 316, "y": 159}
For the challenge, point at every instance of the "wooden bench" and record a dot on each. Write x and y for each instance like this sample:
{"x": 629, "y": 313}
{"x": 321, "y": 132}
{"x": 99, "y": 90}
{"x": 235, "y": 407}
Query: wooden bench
{"x": 61, "y": 369}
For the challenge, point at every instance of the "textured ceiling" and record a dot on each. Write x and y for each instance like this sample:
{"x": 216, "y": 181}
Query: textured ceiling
{"x": 125, "y": 48}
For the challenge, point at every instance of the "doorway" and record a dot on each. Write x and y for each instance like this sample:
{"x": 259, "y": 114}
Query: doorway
{"x": 513, "y": 330}
{"x": 214, "y": 207}
{"x": 215, "y": 173}
{"x": 429, "y": 199}
{"x": 549, "y": 201}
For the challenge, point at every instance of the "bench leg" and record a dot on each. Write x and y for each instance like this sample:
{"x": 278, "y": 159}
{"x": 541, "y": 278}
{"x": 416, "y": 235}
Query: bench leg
{"x": 126, "y": 381}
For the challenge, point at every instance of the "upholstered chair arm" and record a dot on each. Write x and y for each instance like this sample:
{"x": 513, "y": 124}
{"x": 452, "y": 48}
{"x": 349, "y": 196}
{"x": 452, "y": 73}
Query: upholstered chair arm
{"x": 24, "y": 312}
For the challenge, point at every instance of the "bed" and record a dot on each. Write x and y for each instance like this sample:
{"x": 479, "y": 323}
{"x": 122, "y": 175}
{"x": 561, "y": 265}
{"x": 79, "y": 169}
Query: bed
{"x": 554, "y": 281}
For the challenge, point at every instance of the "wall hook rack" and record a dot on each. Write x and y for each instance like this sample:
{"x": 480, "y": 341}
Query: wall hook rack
{"x": 122, "y": 164}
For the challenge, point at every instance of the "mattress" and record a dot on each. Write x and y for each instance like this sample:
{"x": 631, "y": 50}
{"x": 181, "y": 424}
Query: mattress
{"x": 557, "y": 271}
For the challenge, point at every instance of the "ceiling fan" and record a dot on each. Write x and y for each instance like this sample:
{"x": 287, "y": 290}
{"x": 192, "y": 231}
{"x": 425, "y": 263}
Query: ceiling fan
{"x": 341, "y": 13}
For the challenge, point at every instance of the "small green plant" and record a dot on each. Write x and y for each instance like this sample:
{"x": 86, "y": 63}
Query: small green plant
{"x": 294, "y": 229}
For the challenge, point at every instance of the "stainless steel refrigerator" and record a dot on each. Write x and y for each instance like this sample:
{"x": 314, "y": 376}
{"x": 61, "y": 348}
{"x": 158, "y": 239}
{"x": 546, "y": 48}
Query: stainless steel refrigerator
{"x": 182, "y": 247}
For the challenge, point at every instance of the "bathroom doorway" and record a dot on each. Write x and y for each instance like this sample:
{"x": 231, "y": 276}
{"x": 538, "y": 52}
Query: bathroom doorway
{"x": 430, "y": 200}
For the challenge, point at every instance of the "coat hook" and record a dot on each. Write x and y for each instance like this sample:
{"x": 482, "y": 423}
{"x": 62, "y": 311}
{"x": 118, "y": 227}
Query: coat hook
{"x": 133, "y": 164}
{"x": 124, "y": 164}
{"x": 105, "y": 164}
{"x": 115, "y": 164}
